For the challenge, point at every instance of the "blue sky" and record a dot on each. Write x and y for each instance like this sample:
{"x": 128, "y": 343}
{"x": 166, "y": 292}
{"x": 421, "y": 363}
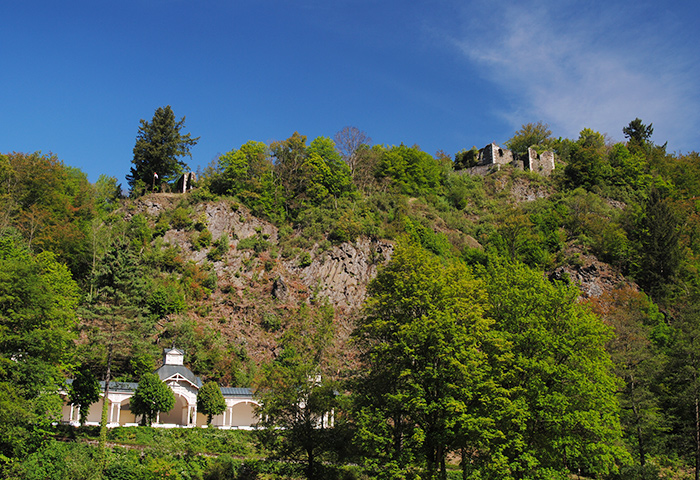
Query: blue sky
{"x": 78, "y": 75}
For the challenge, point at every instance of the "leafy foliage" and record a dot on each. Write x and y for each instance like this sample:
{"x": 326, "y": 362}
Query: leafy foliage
{"x": 561, "y": 376}
{"x": 529, "y": 135}
{"x": 210, "y": 400}
{"x": 151, "y": 397}
{"x": 426, "y": 378}
{"x": 84, "y": 391}
{"x": 297, "y": 402}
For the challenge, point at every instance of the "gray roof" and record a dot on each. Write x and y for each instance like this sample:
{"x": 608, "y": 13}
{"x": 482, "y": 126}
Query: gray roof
{"x": 236, "y": 392}
{"x": 113, "y": 386}
{"x": 119, "y": 386}
{"x": 167, "y": 371}
{"x": 168, "y": 350}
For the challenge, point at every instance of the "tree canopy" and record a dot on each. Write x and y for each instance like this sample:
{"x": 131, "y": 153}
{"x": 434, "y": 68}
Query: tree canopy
{"x": 210, "y": 400}
{"x": 159, "y": 146}
{"x": 151, "y": 397}
{"x": 529, "y": 135}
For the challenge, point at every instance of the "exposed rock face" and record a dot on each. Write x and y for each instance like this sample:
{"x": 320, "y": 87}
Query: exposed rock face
{"x": 591, "y": 276}
{"x": 523, "y": 191}
{"x": 342, "y": 273}
{"x": 279, "y": 289}
{"x": 237, "y": 223}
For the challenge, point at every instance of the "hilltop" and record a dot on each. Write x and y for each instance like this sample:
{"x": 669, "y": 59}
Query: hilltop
{"x": 265, "y": 262}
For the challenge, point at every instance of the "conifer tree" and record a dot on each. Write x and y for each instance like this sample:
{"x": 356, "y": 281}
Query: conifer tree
{"x": 159, "y": 146}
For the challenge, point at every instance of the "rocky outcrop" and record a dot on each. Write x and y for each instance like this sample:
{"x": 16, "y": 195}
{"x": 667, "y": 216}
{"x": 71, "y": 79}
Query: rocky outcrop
{"x": 592, "y": 276}
{"x": 342, "y": 273}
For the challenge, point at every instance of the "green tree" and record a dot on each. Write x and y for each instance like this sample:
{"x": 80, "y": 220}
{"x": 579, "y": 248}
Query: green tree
{"x": 38, "y": 298}
{"x": 295, "y": 403}
{"x": 297, "y": 396}
{"x": 325, "y": 174}
{"x": 50, "y": 203}
{"x": 84, "y": 391}
{"x": 529, "y": 135}
{"x": 289, "y": 156}
{"x": 210, "y": 400}
{"x": 637, "y": 133}
{"x": 681, "y": 384}
{"x": 637, "y": 359}
{"x": 151, "y": 397}
{"x": 659, "y": 251}
{"x": 586, "y": 166}
{"x": 411, "y": 170}
{"x": 159, "y": 146}
{"x": 425, "y": 385}
{"x": 561, "y": 377}
{"x": 466, "y": 158}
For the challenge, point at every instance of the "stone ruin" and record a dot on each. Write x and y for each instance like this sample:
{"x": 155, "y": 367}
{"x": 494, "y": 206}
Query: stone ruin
{"x": 186, "y": 182}
{"x": 492, "y": 157}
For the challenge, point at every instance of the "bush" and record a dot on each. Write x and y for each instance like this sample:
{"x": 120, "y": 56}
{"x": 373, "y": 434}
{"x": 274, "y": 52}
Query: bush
{"x": 201, "y": 239}
{"x": 59, "y": 461}
{"x": 255, "y": 243}
{"x": 304, "y": 260}
{"x": 221, "y": 247}
{"x": 166, "y": 299}
{"x": 181, "y": 218}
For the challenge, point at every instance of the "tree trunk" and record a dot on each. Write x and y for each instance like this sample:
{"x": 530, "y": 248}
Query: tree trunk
{"x": 697, "y": 431}
{"x": 310, "y": 467}
{"x": 105, "y": 408}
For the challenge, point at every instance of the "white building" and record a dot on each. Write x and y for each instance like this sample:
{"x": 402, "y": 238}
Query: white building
{"x": 239, "y": 413}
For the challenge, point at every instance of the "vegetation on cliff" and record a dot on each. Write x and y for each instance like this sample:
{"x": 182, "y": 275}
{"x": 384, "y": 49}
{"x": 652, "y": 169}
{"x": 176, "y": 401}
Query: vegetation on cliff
{"x": 475, "y": 345}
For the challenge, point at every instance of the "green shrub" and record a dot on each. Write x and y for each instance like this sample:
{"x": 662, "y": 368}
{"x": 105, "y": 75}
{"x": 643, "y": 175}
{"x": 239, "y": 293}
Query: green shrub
{"x": 270, "y": 322}
{"x": 201, "y": 239}
{"x": 181, "y": 218}
{"x": 166, "y": 299}
{"x": 221, "y": 247}
{"x": 255, "y": 243}
{"x": 304, "y": 260}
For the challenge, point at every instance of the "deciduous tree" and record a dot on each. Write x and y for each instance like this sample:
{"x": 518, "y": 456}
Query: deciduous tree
{"x": 349, "y": 140}
{"x": 296, "y": 394}
{"x": 210, "y": 400}
{"x": 561, "y": 377}
{"x": 424, "y": 385}
{"x": 84, "y": 391}
{"x": 151, "y": 397}
{"x": 529, "y": 135}
{"x": 38, "y": 298}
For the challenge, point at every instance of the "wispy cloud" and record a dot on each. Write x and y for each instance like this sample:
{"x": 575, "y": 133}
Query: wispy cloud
{"x": 596, "y": 67}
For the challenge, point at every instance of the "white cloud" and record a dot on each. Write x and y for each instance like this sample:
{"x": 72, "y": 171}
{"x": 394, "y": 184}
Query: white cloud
{"x": 598, "y": 68}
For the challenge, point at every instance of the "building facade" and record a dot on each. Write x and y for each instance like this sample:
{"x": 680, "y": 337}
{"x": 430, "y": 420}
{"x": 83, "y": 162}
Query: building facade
{"x": 240, "y": 404}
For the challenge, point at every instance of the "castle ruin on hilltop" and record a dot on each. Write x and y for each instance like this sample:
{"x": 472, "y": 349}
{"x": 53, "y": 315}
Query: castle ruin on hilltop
{"x": 492, "y": 157}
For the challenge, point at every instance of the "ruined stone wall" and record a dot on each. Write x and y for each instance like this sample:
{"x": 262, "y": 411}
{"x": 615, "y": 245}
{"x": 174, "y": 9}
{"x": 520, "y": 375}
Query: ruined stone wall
{"x": 542, "y": 164}
{"x": 491, "y": 157}
{"x": 492, "y": 154}
{"x": 482, "y": 170}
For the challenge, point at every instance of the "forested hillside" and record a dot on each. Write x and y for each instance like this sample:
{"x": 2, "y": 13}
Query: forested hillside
{"x": 511, "y": 325}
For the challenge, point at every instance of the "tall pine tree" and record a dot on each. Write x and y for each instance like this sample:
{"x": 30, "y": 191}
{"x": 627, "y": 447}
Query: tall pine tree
{"x": 159, "y": 146}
